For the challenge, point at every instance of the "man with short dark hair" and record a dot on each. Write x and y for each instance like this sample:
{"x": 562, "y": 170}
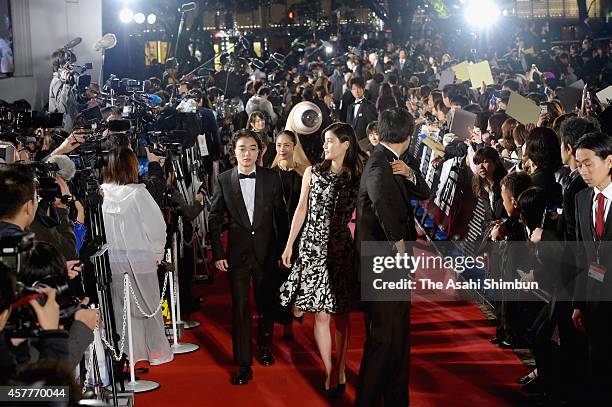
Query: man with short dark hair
{"x": 593, "y": 295}
{"x": 19, "y": 201}
{"x": 252, "y": 198}
{"x": 384, "y": 214}
{"x": 361, "y": 112}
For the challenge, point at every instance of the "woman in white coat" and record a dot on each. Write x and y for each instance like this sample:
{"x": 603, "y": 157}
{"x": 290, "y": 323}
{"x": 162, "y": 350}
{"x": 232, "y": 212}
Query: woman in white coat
{"x": 136, "y": 234}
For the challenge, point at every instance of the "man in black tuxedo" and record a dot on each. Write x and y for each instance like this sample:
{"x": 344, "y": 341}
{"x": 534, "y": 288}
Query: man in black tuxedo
{"x": 251, "y": 196}
{"x": 593, "y": 295}
{"x": 361, "y": 112}
{"x": 384, "y": 214}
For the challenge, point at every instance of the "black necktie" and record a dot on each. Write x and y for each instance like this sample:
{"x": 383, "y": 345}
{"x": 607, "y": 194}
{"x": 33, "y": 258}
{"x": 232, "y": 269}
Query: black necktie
{"x": 244, "y": 176}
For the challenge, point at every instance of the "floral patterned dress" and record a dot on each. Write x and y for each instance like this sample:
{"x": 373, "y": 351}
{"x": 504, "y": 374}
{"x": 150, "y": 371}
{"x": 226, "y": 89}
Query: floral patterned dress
{"x": 321, "y": 278}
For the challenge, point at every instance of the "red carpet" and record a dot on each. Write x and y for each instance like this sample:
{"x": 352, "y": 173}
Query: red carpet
{"x": 452, "y": 362}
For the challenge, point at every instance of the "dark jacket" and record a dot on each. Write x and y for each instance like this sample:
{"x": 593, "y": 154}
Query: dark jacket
{"x": 58, "y": 231}
{"x": 365, "y": 115}
{"x": 567, "y": 221}
{"x": 155, "y": 181}
{"x": 384, "y": 212}
{"x": 257, "y": 244}
{"x": 545, "y": 179}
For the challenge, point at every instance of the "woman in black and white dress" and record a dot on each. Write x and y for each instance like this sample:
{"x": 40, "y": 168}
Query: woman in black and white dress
{"x": 320, "y": 281}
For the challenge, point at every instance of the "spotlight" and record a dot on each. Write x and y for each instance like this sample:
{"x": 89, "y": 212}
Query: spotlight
{"x": 329, "y": 50}
{"x": 126, "y": 15}
{"x": 482, "y": 12}
{"x": 151, "y": 18}
{"x": 139, "y": 18}
{"x": 365, "y": 36}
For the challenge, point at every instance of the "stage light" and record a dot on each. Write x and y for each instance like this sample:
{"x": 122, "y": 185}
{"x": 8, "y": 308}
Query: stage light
{"x": 482, "y": 13}
{"x": 365, "y": 36}
{"x": 139, "y": 18}
{"x": 151, "y": 18}
{"x": 126, "y": 15}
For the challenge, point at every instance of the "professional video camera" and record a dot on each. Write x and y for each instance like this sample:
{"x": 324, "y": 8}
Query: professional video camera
{"x": 124, "y": 86}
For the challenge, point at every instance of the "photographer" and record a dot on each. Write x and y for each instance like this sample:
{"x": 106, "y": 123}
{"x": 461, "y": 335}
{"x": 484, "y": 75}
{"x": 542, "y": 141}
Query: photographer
{"x": 261, "y": 103}
{"x": 52, "y": 224}
{"x": 16, "y": 353}
{"x": 63, "y": 91}
{"x": 20, "y": 201}
{"x": 19, "y": 212}
{"x": 43, "y": 264}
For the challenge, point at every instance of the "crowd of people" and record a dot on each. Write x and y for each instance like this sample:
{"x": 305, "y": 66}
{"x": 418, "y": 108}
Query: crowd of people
{"x": 288, "y": 200}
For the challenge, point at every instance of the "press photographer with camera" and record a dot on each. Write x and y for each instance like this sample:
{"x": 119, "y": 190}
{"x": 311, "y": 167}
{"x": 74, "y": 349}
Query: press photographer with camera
{"x": 63, "y": 90}
{"x": 17, "y": 353}
{"x": 43, "y": 266}
{"x": 20, "y": 200}
{"x": 20, "y": 212}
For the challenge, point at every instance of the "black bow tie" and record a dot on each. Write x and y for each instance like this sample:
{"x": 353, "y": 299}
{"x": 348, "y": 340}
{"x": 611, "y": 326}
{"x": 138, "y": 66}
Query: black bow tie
{"x": 358, "y": 103}
{"x": 245, "y": 176}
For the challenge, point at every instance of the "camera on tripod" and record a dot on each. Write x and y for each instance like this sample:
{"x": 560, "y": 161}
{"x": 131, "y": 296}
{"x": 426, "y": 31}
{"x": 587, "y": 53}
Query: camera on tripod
{"x": 166, "y": 143}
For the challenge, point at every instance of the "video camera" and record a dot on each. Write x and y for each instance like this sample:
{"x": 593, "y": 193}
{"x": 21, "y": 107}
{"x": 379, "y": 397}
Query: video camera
{"x": 77, "y": 75}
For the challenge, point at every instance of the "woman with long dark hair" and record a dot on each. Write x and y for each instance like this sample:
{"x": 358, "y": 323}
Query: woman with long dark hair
{"x": 543, "y": 160}
{"x": 486, "y": 183}
{"x": 290, "y": 173}
{"x": 257, "y": 123}
{"x": 386, "y": 99}
{"x": 320, "y": 280}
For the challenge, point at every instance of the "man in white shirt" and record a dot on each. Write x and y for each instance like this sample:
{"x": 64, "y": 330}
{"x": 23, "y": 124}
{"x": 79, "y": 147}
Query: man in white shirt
{"x": 251, "y": 197}
{"x": 361, "y": 112}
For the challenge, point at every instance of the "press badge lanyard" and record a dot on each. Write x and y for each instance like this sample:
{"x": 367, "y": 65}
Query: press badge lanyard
{"x": 597, "y": 271}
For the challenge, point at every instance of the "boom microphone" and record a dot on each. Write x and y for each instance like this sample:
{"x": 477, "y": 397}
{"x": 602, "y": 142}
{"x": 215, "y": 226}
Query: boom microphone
{"x": 67, "y": 169}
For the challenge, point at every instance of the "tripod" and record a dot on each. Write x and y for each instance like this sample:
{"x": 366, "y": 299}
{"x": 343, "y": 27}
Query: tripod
{"x": 188, "y": 199}
{"x": 101, "y": 264}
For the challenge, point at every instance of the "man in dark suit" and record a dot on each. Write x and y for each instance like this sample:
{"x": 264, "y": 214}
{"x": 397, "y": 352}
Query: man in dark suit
{"x": 404, "y": 67}
{"x": 384, "y": 214}
{"x": 593, "y": 295}
{"x": 361, "y": 112}
{"x": 573, "y": 343}
{"x": 251, "y": 196}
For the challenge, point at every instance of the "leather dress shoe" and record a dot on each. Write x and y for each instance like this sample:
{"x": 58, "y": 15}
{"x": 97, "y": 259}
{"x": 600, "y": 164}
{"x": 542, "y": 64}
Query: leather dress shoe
{"x": 497, "y": 340}
{"x": 266, "y": 358}
{"x": 243, "y": 376}
{"x": 525, "y": 379}
{"x": 535, "y": 385}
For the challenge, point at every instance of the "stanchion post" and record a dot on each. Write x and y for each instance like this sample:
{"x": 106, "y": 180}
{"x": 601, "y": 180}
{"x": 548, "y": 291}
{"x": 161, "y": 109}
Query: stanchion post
{"x": 137, "y": 386}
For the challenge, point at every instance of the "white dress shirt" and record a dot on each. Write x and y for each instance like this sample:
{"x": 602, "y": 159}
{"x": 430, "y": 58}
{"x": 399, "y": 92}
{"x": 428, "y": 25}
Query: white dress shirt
{"x": 357, "y": 106}
{"x": 607, "y": 200}
{"x": 247, "y": 186}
